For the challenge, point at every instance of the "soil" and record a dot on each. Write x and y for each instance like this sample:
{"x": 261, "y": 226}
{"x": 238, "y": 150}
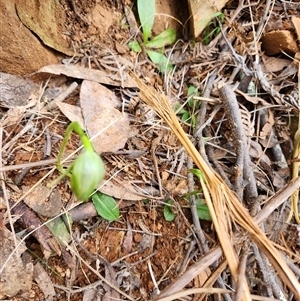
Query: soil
{"x": 141, "y": 253}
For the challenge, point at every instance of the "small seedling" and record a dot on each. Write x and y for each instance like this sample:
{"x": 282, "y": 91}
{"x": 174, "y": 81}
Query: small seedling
{"x": 168, "y": 212}
{"x": 146, "y": 12}
{"x": 202, "y": 208}
{"x": 87, "y": 171}
{"x": 189, "y": 112}
{"x": 213, "y": 28}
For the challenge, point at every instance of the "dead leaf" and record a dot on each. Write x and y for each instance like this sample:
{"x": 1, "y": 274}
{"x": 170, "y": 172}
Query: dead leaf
{"x": 44, "y": 201}
{"x": 252, "y": 99}
{"x": 111, "y": 277}
{"x": 127, "y": 243}
{"x": 44, "y": 282}
{"x": 73, "y": 113}
{"x": 98, "y": 110}
{"x": 274, "y": 64}
{"x": 12, "y": 272}
{"x": 296, "y": 22}
{"x": 88, "y": 74}
{"x": 123, "y": 191}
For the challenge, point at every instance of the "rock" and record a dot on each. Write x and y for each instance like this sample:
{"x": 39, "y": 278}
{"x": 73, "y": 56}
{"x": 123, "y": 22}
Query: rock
{"x": 21, "y": 52}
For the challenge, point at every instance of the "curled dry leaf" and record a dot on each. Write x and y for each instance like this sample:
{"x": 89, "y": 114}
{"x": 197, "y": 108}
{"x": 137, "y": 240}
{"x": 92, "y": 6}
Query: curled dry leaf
{"x": 98, "y": 106}
{"x": 123, "y": 191}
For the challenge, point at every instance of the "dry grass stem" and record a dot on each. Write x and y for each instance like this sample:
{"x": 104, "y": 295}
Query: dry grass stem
{"x": 223, "y": 204}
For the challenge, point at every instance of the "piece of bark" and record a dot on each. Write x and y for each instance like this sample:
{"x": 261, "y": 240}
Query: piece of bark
{"x": 31, "y": 221}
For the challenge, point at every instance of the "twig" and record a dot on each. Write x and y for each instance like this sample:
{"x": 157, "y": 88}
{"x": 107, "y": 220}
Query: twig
{"x": 48, "y": 146}
{"x": 195, "y": 217}
{"x": 5, "y": 193}
{"x": 243, "y": 169}
{"x": 265, "y": 271}
{"x": 28, "y": 165}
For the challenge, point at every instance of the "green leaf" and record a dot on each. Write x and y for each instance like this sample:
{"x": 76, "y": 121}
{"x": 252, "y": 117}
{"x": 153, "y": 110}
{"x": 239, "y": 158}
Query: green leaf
{"x": 168, "y": 213}
{"x": 185, "y": 116}
{"x": 59, "y": 230}
{"x": 146, "y": 11}
{"x": 193, "y": 121}
{"x": 202, "y": 210}
{"x": 167, "y": 37}
{"x": 135, "y": 46}
{"x": 179, "y": 110}
{"x": 198, "y": 173}
{"x": 106, "y": 206}
{"x": 191, "y": 90}
{"x": 162, "y": 62}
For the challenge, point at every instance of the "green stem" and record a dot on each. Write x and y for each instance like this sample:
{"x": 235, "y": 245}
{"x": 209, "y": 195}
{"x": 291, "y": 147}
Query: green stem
{"x": 73, "y": 126}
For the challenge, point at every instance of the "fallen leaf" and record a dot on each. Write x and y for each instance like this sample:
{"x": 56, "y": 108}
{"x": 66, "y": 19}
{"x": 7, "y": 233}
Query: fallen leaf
{"x": 44, "y": 282}
{"x": 296, "y": 22}
{"x": 98, "y": 76}
{"x": 252, "y": 99}
{"x": 123, "y": 191}
{"x": 275, "y": 64}
{"x": 44, "y": 201}
{"x": 73, "y": 113}
{"x": 15, "y": 276}
{"x": 98, "y": 109}
{"x": 15, "y": 90}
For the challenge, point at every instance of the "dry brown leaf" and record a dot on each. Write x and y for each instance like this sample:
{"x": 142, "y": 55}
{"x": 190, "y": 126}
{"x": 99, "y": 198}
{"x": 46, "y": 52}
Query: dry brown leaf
{"x": 14, "y": 270}
{"x": 15, "y": 90}
{"x": 44, "y": 201}
{"x": 274, "y": 64}
{"x": 296, "y": 22}
{"x": 88, "y": 74}
{"x": 252, "y": 99}
{"x": 73, "y": 113}
{"x": 98, "y": 109}
{"x": 123, "y": 191}
{"x": 44, "y": 281}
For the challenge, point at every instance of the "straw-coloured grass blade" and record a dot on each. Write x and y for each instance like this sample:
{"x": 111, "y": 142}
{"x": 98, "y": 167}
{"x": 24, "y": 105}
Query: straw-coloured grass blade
{"x": 223, "y": 204}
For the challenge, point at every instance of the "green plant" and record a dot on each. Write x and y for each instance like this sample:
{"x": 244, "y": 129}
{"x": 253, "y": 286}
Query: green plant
{"x": 168, "y": 212}
{"x": 106, "y": 206}
{"x": 213, "y": 28}
{"x": 202, "y": 208}
{"x": 146, "y": 12}
{"x": 189, "y": 112}
{"x": 87, "y": 171}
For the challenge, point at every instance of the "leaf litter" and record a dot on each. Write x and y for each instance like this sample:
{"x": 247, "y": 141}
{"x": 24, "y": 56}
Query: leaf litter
{"x": 148, "y": 165}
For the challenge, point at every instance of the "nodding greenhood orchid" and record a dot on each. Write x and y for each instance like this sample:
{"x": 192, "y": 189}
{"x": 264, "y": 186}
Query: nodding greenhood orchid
{"x": 87, "y": 171}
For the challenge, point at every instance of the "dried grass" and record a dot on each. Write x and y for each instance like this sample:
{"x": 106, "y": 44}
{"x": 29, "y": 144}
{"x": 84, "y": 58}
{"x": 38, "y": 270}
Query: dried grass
{"x": 224, "y": 206}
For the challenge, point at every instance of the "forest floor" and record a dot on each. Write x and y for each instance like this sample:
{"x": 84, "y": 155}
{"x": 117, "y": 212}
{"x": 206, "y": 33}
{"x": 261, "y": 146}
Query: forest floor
{"x": 235, "y": 92}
